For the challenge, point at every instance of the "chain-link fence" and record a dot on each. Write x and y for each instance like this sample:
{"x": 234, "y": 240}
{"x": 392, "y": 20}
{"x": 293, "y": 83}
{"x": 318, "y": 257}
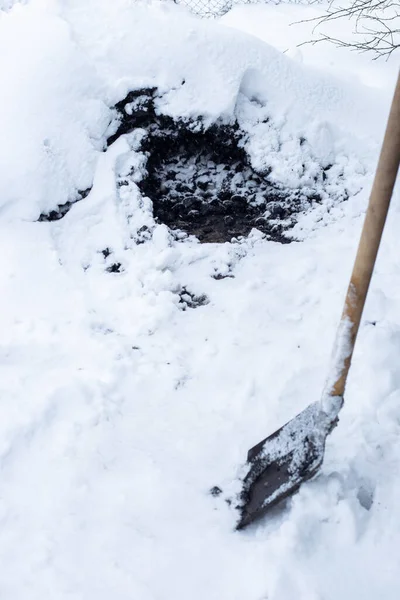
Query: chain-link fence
{"x": 217, "y": 8}
{"x": 207, "y": 8}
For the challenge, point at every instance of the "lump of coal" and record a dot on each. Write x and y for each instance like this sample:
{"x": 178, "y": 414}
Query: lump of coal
{"x": 189, "y": 300}
{"x": 114, "y": 268}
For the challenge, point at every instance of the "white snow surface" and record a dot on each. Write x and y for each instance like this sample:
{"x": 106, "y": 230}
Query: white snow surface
{"x": 120, "y": 410}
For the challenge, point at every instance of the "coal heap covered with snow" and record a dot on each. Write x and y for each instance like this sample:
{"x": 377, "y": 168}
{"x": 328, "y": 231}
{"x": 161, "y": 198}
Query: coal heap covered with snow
{"x": 200, "y": 180}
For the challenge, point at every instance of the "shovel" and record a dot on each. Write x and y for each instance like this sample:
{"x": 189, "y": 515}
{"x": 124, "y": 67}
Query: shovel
{"x": 279, "y": 464}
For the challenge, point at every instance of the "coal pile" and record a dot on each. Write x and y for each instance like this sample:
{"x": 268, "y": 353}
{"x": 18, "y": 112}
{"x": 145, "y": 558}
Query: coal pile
{"x": 200, "y": 180}
{"x": 202, "y": 183}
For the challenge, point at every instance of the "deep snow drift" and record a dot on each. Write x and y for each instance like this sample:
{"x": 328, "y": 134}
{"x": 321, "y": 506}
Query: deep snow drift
{"x": 139, "y": 365}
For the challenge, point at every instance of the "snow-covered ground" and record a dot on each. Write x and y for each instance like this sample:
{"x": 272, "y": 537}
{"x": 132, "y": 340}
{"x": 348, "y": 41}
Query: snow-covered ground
{"x": 119, "y": 409}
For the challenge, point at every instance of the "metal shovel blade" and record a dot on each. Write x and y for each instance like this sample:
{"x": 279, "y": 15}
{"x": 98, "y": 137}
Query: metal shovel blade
{"x": 283, "y": 461}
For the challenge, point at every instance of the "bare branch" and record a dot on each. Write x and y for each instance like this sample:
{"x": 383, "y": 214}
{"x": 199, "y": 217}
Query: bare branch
{"x": 377, "y": 26}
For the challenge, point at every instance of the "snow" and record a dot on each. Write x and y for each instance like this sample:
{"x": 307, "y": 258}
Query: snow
{"x": 99, "y": 67}
{"x": 119, "y": 410}
{"x": 290, "y": 26}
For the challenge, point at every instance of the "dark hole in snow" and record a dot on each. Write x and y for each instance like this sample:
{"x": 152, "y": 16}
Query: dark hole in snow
{"x": 56, "y": 215}
{"x": 215, "y": 491}
{"x": 201, "y": 181}
{"x": 189, "y": 300}
{"x": 115, "y": 268}
{"x": 143, "y": 234}
{"x": 219, "y": 276}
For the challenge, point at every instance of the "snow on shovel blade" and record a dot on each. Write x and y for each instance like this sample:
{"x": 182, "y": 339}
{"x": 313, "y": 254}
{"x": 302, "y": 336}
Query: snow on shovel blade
{"x": 282, "y": 462}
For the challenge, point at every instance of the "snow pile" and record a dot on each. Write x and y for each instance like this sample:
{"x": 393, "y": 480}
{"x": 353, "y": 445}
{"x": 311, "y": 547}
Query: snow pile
{"x": 52, "y": 117}
{"x": 75, "y": 61}
{"x": 137, "y": 368}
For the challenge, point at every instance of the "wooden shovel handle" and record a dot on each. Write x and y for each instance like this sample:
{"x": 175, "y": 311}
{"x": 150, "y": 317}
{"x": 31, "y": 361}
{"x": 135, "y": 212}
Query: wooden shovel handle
{"x": 371, "y": 235}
